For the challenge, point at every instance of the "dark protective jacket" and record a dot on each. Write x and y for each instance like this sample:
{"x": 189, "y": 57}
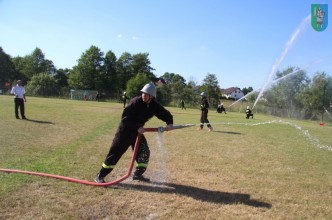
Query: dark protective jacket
{"x": 248, "y": 111}
{"x": 137, "y": 113}
{"x": 204, "y": 104}
{"x": 134, "y": 116}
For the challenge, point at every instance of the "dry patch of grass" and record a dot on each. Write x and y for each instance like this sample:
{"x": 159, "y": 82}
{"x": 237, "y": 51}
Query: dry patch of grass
{"x": 245, "y": 169}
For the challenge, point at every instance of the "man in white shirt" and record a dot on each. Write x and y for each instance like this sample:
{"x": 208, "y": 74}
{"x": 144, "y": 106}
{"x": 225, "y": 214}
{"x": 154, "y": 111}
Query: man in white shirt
{"x": 19, "y": 92}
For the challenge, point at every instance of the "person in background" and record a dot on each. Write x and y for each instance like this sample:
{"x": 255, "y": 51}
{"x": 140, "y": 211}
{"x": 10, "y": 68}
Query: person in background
{"x": 19, "y": 92}
{"x": 248, "y": 113}
{"x": 182, "y": 105}
{"x": 138, "y": 111}
{"x": 98, "y": 96}
{"x": 124, "y": 99}
{"x": 221, "y": 108}
{"x": 204, "y": 113}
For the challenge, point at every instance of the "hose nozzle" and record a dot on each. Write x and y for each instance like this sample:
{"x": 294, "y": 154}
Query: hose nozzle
{"x": 161, "y": 129}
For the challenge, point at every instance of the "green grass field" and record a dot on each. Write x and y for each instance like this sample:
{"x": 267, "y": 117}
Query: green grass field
{"x": 265, "y": 168}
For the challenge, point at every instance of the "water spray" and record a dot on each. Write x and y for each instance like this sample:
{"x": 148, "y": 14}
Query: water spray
{"x": 276, "y": 65}
{"x": 160, "y": 158}
{"x": 130, "y": 168}
{"x": 327, "y": 113}
{"x": 304, "y": 132}
{"x": 243, "y": 97}
{"x": 297, "y": 70}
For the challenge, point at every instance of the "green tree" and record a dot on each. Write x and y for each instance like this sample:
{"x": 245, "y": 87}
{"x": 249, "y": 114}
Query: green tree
{"x": 172, "y": 78}
{"x": 19, "y": 65}
{"x": 314, "y": 97}
{"x": 174, "y": 91}
{"x": 42, "y": 84}
{"x": 124, "y": 69}
{"x": 129, "y": 66}
{"x": 8, "y": 72}
{"x": 34, "y": 63}
{"x": 211, "y": 87}
{"x": 136, "y": 83}
{"x": 283, "y": 93}
{"x": 190, "y": 93}
{"x": 110, "y": 75}
{"x": 142, "y": 64}
{"x": 61, "y": 78}
{"x": 88, "y": 73}
{"x": 192, "y": 84}
{"x": 247, "y": 90}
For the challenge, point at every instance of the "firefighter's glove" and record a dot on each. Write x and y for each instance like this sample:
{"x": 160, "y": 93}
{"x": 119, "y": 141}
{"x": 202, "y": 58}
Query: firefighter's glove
{"x": 169, "y": 127}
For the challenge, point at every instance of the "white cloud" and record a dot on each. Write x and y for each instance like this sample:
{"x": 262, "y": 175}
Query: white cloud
{"x": 119, "y": 35}
{"x": 202, "y": 47}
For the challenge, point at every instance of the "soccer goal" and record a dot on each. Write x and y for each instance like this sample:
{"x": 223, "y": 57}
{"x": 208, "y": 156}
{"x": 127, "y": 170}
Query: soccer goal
{"x": 86, "y": 95}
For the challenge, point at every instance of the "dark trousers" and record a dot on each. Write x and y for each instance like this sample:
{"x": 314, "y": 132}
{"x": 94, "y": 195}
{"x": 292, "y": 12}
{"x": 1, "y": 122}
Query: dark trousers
{"x": 19, "y": 104}
{"x": 220, "y": 110}
{"x": 249, "y": 115}
{"x": 204, "y": 119}
{"x": 121, "y": 142}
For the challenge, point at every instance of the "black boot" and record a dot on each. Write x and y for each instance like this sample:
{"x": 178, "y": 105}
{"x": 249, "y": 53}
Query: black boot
{"x": 101, "y": 175}
{"x": 99, "y": 179}
{"x": 141, "y": 178}
{"x": 138, "y": 175}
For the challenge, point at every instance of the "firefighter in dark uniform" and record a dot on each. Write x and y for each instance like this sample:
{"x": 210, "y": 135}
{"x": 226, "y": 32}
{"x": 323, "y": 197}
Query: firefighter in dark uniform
{"x": 248, "y": 113}
{"x": 221, "y": 108}
{"x": 138, "y": 111}
{"x": 204, "y": 113}
{"x": 124, "y": 99}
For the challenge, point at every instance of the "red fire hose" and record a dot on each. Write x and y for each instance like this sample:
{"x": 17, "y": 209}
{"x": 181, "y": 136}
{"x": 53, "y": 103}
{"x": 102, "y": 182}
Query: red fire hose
{"x": 131, "y": 165}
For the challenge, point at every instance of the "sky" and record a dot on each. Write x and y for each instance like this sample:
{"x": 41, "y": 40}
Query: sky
{"x": 240, "y": 42}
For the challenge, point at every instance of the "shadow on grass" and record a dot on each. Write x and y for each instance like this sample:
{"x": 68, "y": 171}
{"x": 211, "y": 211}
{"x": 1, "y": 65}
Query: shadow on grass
{"x": 38, "y": 121}
{"x": 228, "y": 132}
{"x": 198, "y": 193}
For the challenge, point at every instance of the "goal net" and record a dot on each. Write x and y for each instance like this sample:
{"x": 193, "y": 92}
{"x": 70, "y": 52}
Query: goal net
{"x": 87, "y": 95}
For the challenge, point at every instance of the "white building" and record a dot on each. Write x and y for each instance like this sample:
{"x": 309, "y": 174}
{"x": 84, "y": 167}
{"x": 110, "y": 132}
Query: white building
{"x": 232, "y": 93}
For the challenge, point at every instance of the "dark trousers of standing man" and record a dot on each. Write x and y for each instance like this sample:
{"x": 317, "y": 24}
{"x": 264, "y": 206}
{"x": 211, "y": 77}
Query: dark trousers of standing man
{"x": 19, "y": 103}
{"x": 204, "y": 119}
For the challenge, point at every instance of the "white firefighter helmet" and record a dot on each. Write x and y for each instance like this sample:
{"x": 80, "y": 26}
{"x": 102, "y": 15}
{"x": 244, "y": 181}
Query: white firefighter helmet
{"x": 248, "y": 107}
{"x": 150, "y": 89}
{"x": 203, "y": 94}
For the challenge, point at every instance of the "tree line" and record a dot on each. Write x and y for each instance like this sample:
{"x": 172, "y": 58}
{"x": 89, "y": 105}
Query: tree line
{"x": 295, "y": 95}
{"x": 111, "y": 76}
{"x": 96, "y": 70}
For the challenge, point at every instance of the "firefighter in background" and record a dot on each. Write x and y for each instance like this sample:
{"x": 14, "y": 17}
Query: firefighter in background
{"x": 182, "y": 105}
{"x": 138, "y": 111}
{"x": 248, "y": 113}
{"x": 124, "y": 99}
{"x": 221, "y": 108}
{"x": 98, "y": 96}
{"x": 204, "y": 113}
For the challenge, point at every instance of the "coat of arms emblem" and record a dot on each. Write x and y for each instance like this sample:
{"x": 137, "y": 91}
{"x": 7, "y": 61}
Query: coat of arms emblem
{"x": 319, "y": 16}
